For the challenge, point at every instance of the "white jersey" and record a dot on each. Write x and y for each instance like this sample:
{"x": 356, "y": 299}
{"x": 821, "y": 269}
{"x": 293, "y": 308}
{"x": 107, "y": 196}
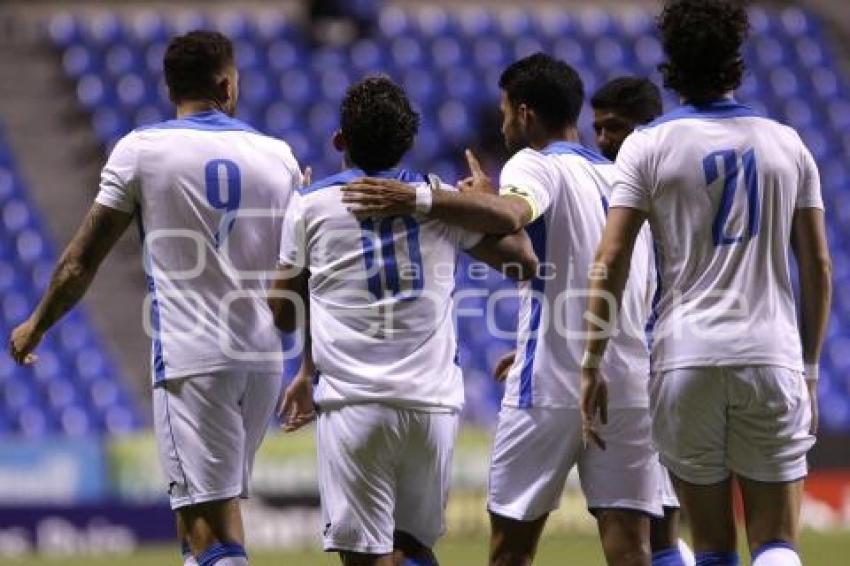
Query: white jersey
{"x": 211, "y": 194}
{"x": 567, "y": 187}
{"x": 380, "y": 299}
{"x": 721, "y": 185}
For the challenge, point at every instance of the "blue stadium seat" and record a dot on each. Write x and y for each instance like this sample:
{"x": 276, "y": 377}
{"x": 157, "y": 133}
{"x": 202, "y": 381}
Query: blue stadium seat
{"x": 475, "y": 23}
{"x": 79, "y": 60}
{"x": 64, "y": 29}
{"x": 284, "y": 54}
{"x": 184, "y": 22}
{"x": 76, "y": 422}
{"x": 555, "y": 24}
{"x": 433, "y": 22}
{"x": 368, "y": 55}
{"x": 514, "y": 23}
{"x": 146, "y": 27}
{"x": 103, "y": 29}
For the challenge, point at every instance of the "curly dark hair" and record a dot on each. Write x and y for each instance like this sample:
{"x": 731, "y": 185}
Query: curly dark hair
{"x": 378, "y": 123}
{"x": 548, "y": 86}
{"x": 193, "y": 62}
{"x": 702, "y": 40}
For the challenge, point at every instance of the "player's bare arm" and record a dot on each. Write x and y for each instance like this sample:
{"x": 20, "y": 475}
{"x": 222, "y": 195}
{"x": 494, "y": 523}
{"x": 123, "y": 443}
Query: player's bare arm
{"x": 808, "y": 240}
{"x": 296, "y": 407}
{"x": 289, "y": 302}
{"x": 610, "y": 273}
{"x": 478, "y": 207}
{"x": 74, "y": 272}
{"x": 503, "y": 366}
{"x": 287, "y": 290}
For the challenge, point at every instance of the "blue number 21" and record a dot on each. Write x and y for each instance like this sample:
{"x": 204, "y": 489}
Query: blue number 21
{"x": 389, "y": 264}
{"x": 729, "y": 158}
{"x": 230, "y": 203}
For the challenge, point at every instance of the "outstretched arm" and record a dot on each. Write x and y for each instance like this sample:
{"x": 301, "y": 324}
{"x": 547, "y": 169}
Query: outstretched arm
{"x": 102, "y": 227}
{"x": 476, "y": 207}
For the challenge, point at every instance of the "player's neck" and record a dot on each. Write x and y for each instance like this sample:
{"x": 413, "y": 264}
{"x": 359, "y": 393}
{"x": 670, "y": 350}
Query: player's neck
{"x": 569, "y": 134}
{"x": 722, "y": 98}
{"x": 189, "y": 107}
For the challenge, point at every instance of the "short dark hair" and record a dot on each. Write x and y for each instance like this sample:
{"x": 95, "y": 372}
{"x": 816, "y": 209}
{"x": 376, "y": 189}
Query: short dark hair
{"x": 635, "y": 98}
{"x": 702, "y": 40}
{"x": 548, "y": 86}
{"x": 193, "y": 61}
{"x": 378, "y": 123}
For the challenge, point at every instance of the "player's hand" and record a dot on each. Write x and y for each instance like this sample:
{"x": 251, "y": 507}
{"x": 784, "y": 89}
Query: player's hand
{"x": 594, "y": 402}
{"x": 25, "y": 338}
{"x": 297, "y": 408}
{"x": 369, "y": 197}
{"x": 500, "y": 373}
{"x": 307, "y": 177}
{"x": 478, "y": 181}
{"x": 813, "y": 399}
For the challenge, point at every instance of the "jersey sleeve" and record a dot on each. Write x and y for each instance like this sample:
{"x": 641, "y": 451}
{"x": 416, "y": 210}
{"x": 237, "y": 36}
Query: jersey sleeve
{"x": 809, "y": 191}
{"x": 119, "y": 179}
{"x": 293, "y": 241}
{"x": 466, "y": 239}
{"x": 632, "y": 186}
{"x": 526, "y": 175}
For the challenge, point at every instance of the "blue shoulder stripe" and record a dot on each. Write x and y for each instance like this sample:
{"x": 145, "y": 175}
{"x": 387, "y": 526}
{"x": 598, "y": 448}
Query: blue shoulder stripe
{"x": 571, "y": 148}
{"x": 353, "y": 174}
{"x": 717, "y": 110}
{"x": 209, "y": 121}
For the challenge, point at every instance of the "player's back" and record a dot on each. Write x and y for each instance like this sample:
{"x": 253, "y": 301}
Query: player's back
{"x": 721, "y": 184}
{"x": 380, "y": 299}
{"x": 551, "y": 318}
{"x": 211, "y": 195}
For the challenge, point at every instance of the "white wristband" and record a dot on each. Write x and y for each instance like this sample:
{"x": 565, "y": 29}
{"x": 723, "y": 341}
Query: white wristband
{"x": 424, "y": 198}
{"x": 810, "y": 371}
{"x": 591, "y": 361}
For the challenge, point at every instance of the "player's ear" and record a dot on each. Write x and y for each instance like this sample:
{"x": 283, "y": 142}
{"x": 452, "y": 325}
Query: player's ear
{"x": 338, "y": 141}
{"x": 524, "y": 114}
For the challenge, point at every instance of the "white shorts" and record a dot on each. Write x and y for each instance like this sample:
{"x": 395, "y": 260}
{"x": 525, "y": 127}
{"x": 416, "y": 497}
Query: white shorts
{"x": 383, "y": 469}
{"x": 666, "y": 491}
{"x": 535, "y": 449}
{"x": 208, "y": 429}
{"x": 753, "y": 421}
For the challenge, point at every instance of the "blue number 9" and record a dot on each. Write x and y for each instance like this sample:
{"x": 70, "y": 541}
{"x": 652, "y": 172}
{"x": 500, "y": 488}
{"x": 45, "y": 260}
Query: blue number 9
{"x": 230, "y": 204}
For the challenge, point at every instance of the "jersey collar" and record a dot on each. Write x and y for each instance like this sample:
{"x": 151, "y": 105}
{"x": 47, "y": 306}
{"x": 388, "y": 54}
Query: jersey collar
{"x": 353, "y": 174}
{"x": 563, "y": 147}
{"x": 723, "y": 108}
{"x": 207, "y": 120}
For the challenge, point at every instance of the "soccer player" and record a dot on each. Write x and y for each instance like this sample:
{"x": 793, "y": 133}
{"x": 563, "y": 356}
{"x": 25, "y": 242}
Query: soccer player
{"x": 620, "y": 106}
{"x": 216, "y": 359}
{"x": 728, "y": 194}
{"x": 557, "y": 190}
{"x": 378, "y": 293}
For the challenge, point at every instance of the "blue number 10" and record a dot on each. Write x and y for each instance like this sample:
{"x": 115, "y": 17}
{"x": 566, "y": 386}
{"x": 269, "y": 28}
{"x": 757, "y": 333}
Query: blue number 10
{"x": 729, "y": 158}
{"x": 389, "y": 264}
{"x": 230, "y": 203}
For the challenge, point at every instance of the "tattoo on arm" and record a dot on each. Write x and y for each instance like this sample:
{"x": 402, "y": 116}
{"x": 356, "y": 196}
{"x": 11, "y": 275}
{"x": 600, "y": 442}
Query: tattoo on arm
{"x": 76, "y": 268}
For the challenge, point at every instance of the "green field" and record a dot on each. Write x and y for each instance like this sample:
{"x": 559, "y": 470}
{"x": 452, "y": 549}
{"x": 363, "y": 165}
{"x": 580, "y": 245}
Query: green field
{"x": 581, "y": 550}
